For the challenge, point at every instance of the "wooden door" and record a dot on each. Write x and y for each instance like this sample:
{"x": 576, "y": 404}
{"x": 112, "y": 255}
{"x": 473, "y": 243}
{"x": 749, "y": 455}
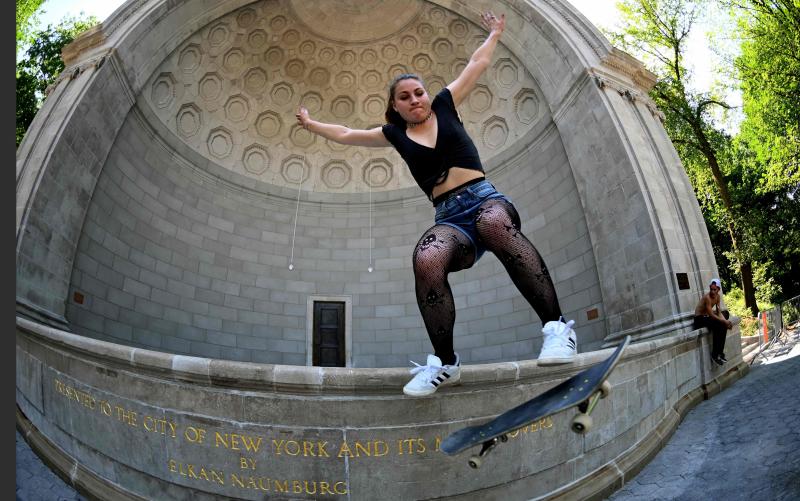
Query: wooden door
{"x": 329, "y": 342}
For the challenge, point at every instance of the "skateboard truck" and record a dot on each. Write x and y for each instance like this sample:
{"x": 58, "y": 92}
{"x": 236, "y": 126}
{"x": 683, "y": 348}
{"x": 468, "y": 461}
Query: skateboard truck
{"x": 581, "y": 424}
{"x": 583, "y": 390}
{"x": 476, "y": 460}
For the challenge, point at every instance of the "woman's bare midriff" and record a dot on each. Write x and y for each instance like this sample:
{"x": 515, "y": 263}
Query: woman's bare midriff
{"x": 455, "y": 178}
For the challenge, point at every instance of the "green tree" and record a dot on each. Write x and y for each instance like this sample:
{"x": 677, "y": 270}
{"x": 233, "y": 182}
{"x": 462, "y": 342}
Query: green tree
{"x": 658, "y": 31}
{"x": 771, "y": 221}
{"x": 41, "y": 64}
{"x": 769, "y": 71}
{"x": 25, "y": 19}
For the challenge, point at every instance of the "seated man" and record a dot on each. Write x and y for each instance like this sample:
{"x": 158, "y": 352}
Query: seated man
{"x": 717, "y": 323}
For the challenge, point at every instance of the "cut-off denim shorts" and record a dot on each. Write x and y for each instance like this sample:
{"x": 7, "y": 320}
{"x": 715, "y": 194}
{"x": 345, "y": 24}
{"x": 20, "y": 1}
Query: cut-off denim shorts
{"x": 460, "y": 208}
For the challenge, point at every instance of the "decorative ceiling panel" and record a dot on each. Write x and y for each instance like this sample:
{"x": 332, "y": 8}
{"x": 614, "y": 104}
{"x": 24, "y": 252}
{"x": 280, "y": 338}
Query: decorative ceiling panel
{"x": 231, "y": 90}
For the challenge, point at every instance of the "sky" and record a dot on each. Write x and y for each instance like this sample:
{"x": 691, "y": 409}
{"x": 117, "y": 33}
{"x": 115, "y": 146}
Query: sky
{"x": 597, "y": 11}
{"x": 56, "y": 10}
{"x": 602, "y": 13}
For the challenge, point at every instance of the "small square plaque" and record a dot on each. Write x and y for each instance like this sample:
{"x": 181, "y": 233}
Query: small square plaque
{"x": 683, "y": 281}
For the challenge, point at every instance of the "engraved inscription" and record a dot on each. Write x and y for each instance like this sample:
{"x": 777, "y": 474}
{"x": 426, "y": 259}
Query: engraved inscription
{"x": 236, "y": 458}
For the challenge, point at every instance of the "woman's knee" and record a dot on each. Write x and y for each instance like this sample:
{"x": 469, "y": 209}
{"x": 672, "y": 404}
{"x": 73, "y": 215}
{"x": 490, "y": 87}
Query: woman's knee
{"x": 442, "y": 249}
{"x": 426, "y": 264}
{"x": 429, "y": 254}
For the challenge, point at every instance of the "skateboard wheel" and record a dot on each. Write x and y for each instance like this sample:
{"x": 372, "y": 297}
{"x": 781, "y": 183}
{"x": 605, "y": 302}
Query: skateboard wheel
{"x": 504, "y": 438}
{"x": 605, "y": 389}
{"x": 582, "y": 423}
{"x": 475, "y": 462}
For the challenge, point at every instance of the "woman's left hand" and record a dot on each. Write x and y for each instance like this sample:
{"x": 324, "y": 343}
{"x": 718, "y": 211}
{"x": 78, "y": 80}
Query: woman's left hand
{"x": 302, "y": 117}
{"x": 492, "y": 22}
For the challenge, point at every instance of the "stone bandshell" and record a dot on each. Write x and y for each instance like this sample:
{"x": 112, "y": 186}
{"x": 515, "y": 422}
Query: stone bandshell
{"x": 271, "y": 57}
{"x": 129, "y": 230}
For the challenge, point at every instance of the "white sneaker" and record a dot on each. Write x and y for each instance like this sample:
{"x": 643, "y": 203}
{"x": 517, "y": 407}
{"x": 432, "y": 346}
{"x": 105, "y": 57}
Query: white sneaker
{"x": 560, "y": 343}
{"x": 428, "y": 378}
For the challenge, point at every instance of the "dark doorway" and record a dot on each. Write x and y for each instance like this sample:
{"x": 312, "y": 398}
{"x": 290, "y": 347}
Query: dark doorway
{"x": 329, "y": 343}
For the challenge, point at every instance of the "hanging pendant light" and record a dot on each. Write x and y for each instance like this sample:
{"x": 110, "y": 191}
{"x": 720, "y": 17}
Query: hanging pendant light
{"x": 370, "y": 268}
{"x": 296, "y": 212}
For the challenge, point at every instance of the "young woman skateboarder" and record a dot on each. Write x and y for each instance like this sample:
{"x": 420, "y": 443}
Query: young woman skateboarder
{"x": 471, "y": 215}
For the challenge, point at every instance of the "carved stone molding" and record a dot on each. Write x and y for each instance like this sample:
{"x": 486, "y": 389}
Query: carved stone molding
{"x": 238, "y": 81}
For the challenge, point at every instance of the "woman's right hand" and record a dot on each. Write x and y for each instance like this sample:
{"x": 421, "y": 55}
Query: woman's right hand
{"x": 492, "y": 22}
{"x": 302, "y": 117}
{"x": 340, "y": 133}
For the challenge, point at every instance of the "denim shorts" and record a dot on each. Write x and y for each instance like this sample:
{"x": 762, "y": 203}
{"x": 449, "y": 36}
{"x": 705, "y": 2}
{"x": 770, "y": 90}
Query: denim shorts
{"x": 460, "y": 208}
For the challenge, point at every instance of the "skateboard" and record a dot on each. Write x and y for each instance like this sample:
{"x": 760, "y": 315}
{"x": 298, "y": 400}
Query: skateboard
{"x": 583, "y": 390}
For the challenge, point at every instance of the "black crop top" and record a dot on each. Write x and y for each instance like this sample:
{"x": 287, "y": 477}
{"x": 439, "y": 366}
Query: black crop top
{"x": 453, "y": 148}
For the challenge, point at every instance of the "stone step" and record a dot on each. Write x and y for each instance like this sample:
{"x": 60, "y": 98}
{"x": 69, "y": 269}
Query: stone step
{"x": 750, "y": 349}
{"x": 749, "y": 340}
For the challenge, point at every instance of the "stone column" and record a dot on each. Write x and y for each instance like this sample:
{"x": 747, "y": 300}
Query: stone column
{"x": 648, "y": 234}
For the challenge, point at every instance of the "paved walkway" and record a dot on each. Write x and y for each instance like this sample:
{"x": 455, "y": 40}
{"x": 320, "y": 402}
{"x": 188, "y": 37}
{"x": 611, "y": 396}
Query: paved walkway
{"x": 36, "y": 482}
{"x": 741, "y": 445}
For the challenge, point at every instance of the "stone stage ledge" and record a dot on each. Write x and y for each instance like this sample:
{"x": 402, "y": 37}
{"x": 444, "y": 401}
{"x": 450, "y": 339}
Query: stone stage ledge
{"x": 120, "y": 422}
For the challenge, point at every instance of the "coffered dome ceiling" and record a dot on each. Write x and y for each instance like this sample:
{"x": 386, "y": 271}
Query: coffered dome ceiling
{"x": 230, "y": 91}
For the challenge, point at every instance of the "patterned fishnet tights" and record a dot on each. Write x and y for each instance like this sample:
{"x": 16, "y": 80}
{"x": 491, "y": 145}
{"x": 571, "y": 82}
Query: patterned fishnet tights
{"x": 443, "y": 249}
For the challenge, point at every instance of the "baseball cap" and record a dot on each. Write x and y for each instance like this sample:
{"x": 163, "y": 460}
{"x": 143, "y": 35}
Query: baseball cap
{"x": 715, "y": 281}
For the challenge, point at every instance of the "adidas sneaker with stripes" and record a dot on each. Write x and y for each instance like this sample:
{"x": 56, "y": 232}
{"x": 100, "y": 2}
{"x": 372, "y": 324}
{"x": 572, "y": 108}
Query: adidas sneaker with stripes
{"x": 559, "y": 347}
{"x": 560, "y": 344}
{"x": 429, "y": 377}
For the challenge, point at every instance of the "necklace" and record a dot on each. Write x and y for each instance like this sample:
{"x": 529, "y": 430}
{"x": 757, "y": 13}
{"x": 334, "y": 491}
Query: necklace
{"x": 411, "y": 125}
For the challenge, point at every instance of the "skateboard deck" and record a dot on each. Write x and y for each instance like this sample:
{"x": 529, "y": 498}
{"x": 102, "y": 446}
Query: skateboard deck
{"x": 582, "y": 390}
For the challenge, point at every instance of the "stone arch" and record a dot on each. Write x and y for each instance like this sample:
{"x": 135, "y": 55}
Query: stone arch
{"x": 164, "y": 189}
{"x": 595, "y": 141}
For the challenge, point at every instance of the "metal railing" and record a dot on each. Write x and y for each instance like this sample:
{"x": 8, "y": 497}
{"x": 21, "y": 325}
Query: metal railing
{"x": 775, "y": 322}
{"x": 790, "y": 313}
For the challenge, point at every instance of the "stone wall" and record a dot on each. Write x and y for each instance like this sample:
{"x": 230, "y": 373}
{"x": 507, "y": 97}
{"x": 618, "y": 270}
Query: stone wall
{"x": 174, "y": 259}
{"x": 159, "y": 180}
{"x": 155, "y": 215}
{"x": 128, "y": 421}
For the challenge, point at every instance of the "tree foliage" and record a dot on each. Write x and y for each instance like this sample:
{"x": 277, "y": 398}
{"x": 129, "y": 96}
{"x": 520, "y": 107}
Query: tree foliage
{"x": 770, "y": 222}
{"x": 26, "y": 18}
{"x": 40, "y": 66}
{"x": 769, "y": 71}
{"x": 747, "y": 184}
{"x": 658, "y": 32}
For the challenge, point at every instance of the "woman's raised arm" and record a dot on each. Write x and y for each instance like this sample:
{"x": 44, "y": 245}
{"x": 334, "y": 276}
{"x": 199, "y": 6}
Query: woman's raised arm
{"x": 341, "y": 134}
{"x": 480, "y": 60}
